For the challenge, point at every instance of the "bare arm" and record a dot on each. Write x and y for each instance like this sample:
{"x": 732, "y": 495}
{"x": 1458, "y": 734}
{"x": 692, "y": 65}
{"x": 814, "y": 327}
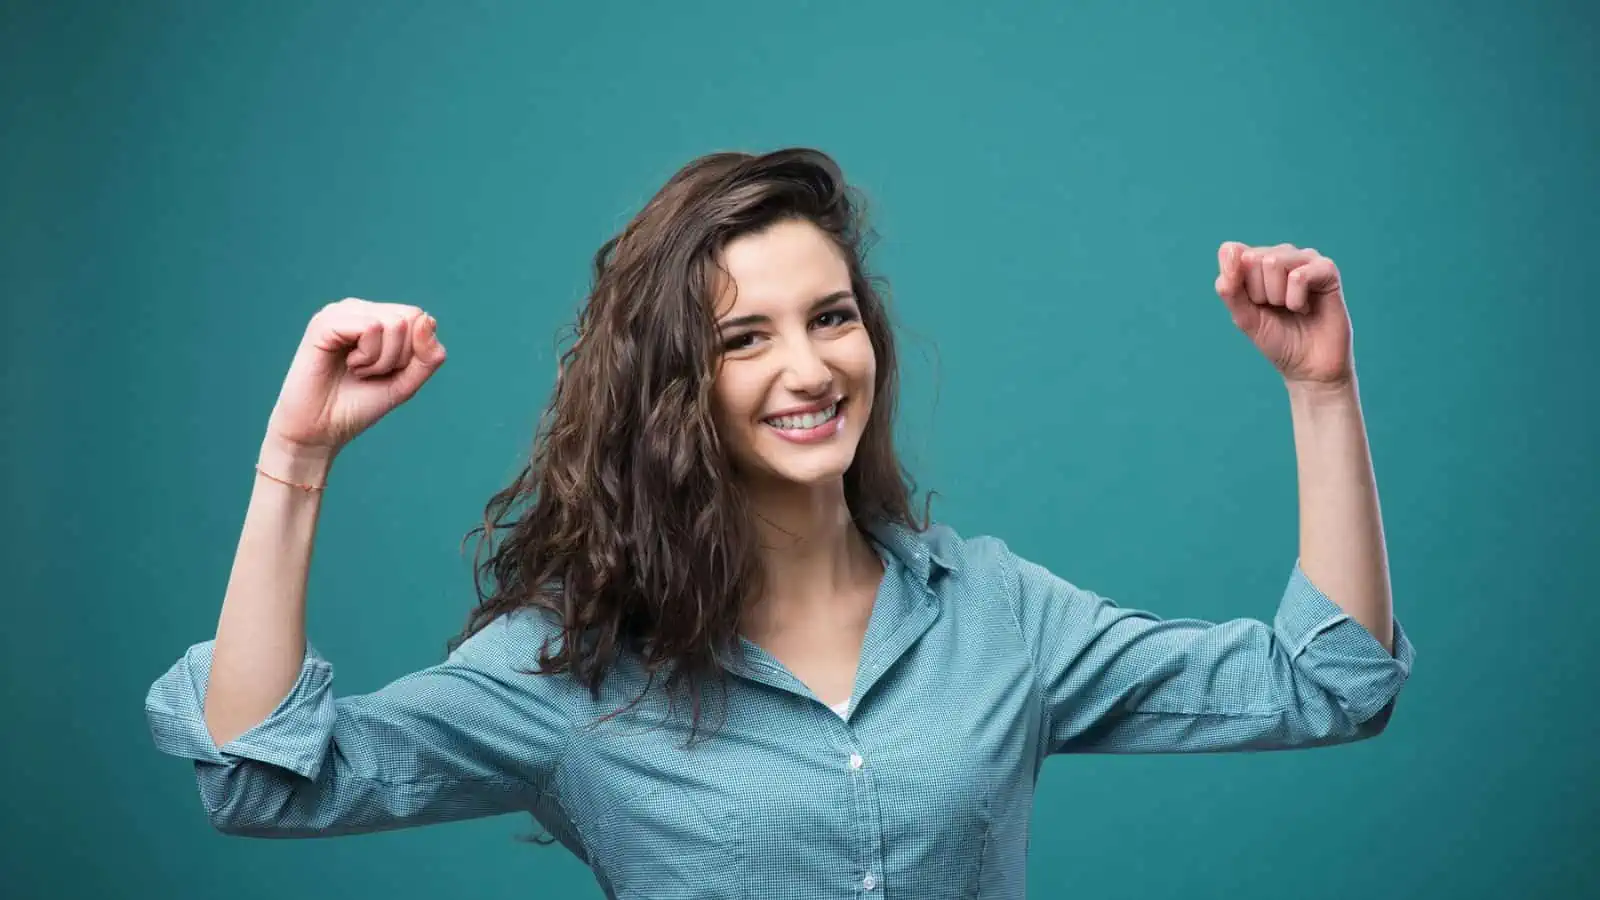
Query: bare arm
{"x": 261, "y": 632}
{"x": 1341, "y": 527}
{"x": 1290, "y": 302}
{"x": 356, "y": 362}
{"x": 276, "y": 753}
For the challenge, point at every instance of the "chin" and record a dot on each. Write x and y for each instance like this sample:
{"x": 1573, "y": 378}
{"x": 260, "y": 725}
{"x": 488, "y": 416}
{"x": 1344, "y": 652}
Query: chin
{"x": 809, "y": 475}
{"x": 804, "y": 467}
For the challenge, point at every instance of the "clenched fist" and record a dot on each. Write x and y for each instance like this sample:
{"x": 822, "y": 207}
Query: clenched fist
{"x": 357, "y": 361}
{"x": 1290, "y": 302}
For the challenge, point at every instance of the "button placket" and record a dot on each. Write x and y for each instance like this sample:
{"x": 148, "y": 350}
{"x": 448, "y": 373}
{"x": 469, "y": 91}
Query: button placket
{"x": 865, "y": 803}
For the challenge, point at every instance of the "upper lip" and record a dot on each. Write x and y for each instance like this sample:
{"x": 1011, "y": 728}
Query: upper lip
{"x": 818, "y": 406}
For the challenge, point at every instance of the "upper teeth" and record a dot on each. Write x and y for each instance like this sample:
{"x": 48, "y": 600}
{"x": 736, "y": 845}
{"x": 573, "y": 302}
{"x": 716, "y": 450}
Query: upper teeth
{"x": 805, "y": 420}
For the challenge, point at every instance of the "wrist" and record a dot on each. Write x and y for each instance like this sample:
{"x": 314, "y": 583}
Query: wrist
{"x": 295, "y": 463}
{"x": 1324, "y": 411}
{"x": 1341, "y": 392}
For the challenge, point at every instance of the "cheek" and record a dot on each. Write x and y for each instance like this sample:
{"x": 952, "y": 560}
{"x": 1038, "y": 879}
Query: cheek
{"x": 736, "y": 402}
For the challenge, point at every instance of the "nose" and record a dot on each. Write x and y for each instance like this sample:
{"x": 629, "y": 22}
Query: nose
{"x": 805, "y": 371}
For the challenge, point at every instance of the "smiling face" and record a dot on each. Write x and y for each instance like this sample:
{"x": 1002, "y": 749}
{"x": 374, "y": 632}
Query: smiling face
{"x": 794, "y": 385}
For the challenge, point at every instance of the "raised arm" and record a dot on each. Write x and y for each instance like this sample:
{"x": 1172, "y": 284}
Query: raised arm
{"x": 1329, "y": 666}
{"x": 356, "y": 362}
{"x": 275, "y": 752}
{"x": 1290, "y": 302}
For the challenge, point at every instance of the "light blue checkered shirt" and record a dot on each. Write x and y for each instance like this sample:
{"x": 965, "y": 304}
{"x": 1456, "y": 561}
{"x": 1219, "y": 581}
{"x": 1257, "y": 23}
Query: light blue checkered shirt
{"x": 977, "y": 665}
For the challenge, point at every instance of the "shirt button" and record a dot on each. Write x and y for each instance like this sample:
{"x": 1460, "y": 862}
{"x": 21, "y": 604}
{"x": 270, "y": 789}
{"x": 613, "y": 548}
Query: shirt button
{"x": 855, "y": 763}
{"x": 869, "y": 882}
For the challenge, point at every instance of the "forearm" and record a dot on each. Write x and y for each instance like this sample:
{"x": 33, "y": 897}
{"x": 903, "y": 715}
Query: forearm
{"x": 1341, "y": 527}
{"x": 260, "y": 641}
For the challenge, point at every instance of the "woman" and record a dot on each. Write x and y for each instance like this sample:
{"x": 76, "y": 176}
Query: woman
{"x": 719, "y": 655}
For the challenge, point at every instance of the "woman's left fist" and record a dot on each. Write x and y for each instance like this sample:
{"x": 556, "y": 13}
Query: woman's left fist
{"x": 1289, "y": 302}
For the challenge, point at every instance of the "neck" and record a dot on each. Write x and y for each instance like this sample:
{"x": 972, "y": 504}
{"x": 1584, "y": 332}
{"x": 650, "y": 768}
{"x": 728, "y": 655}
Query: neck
{"x": 813, "y": 555}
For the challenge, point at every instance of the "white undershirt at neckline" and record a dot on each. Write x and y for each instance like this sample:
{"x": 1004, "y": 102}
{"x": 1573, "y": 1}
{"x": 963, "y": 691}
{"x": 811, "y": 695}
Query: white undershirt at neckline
{"x": 842, "y": 709}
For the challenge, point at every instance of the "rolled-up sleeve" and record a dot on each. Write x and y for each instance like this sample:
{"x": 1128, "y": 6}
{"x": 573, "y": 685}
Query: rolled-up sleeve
{"x": 467, "y": 738}
{"x": 1118, "y": 680}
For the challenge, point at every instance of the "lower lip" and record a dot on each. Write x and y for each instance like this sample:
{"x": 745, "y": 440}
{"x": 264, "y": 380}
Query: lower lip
{"x": 811, "y": 435}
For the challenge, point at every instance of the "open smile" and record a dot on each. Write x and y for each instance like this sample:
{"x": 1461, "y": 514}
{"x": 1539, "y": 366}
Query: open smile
{"x": 810, "y": 426}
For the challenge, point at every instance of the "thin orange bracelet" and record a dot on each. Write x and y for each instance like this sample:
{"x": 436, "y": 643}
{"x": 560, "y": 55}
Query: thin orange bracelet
{"x": 308, "y": 488}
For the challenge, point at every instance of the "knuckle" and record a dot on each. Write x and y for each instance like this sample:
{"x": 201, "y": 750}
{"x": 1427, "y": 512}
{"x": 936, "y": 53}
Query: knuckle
{"x": 338, "y": 307}
{"x": 398, "y": 311}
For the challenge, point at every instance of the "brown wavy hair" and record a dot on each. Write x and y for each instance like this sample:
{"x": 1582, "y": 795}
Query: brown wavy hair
{"x": 627, "y": 523}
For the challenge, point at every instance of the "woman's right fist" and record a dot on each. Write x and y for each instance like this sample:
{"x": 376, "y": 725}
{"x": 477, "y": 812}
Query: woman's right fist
{"x": 357, "y": 361}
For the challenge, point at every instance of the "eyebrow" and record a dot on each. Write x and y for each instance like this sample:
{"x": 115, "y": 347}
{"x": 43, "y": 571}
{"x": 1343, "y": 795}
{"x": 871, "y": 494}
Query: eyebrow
{"x": 757, "y": 319}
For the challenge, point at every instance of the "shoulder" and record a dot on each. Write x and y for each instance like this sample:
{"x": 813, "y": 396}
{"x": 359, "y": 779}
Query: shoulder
{"x": 508, "y": 649}
{"x": 511, "y": 637}
{"x": 987, "y": 564}
{"x": 979, "y": 554}
{"x": 978, "y": 563}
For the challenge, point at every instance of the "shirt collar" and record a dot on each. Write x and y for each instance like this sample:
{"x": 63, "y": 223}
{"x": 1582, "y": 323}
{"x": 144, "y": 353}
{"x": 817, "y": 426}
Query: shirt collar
{"x": 920, "y": 552}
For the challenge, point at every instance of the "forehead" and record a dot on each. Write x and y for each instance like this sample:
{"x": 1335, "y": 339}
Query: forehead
{"x": 789, "y": 264}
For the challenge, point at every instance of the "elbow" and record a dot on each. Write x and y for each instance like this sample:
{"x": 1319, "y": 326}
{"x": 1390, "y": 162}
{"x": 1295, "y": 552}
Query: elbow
{"x": 1327, "y": 718}
{"x": 1376, "y": 724}
{"x": 1347, "y": 698}
{"x": 226, "y": 821}
{"x": 241, "y": 801}
{"x": 1345, "y": 725}
{"x": 235, "y": 819}
{"x": 230, "y": 819}
{"x": 1372, "y": 709}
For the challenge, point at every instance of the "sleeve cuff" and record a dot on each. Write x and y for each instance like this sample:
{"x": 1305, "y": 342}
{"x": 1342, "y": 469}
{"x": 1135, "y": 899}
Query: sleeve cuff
{"x": 1339, "y": 652}
{"x": 294, "y": 737}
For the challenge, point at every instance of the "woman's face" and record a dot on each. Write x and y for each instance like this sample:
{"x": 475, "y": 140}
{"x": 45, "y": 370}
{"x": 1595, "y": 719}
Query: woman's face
{"x": 795, "y": 381}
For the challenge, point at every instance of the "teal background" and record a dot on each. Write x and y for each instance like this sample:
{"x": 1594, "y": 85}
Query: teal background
{"x": 184, "y": 183}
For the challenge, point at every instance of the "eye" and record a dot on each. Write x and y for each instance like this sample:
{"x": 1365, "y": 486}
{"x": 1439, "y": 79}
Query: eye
{"x": 833, "y": 318}
{"x": 738, "y": 342}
